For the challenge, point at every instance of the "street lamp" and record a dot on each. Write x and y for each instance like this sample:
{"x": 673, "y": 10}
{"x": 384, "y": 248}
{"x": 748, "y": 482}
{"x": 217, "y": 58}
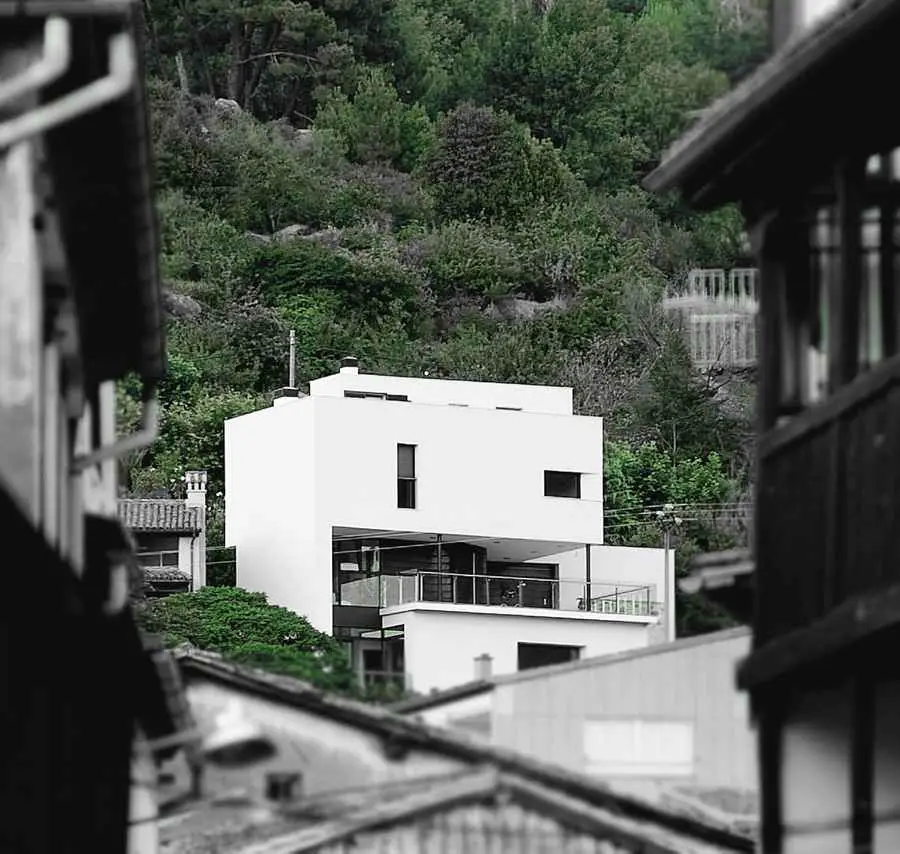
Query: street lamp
{"x": 669, "y": 521}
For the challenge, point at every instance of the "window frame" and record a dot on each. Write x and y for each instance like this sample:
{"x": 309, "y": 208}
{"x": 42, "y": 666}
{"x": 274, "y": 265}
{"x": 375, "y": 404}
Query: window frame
{"x": 407, "y": 492}
{"x": 551, "y": 473}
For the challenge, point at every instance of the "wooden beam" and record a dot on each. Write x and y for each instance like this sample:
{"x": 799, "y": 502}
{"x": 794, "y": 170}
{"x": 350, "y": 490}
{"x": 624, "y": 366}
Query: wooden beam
{"x": 854, "y": 621}
{"x": 862, "y": 762}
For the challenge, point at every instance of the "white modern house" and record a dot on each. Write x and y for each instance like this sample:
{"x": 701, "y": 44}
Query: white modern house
{"x": 429, "y": 522}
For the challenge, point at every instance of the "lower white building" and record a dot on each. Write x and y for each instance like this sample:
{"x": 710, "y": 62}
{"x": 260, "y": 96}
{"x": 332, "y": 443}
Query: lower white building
{"x": 428, "y": 522}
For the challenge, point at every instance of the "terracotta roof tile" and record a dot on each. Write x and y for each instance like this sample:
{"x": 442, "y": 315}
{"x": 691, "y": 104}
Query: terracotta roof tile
{"x": 158, "y": 514}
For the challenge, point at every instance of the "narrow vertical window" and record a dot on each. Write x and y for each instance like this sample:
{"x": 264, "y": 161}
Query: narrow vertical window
{"x": 406, "y": 476}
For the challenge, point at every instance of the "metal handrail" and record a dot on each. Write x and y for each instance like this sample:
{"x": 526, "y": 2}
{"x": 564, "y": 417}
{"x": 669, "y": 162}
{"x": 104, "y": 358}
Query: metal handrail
{"x": 524, "y": 579}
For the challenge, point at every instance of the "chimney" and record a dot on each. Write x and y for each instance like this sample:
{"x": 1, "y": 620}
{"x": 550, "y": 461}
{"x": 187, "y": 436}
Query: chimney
{"x": 350, "y": 365}
{"x": 280, "y": 786}
{"x": 195, "y": 496}
{"x": 195, "y": 486}
{"x": 483, "y": 667}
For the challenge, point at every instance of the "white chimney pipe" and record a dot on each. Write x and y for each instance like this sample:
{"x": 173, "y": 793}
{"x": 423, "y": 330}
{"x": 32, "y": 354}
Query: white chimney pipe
{"x": 483, "y": 667}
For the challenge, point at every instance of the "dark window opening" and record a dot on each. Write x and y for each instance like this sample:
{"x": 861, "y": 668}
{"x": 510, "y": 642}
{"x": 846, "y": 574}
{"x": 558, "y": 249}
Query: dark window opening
{"x": 373, "y": 660}
{"x": 377, "y": 395}
{"x": 401, "y": 397}
{"x": 533, "y": 655}
{"x": 510, "y": 408}
{"x": 562, "y": 484}
{"x": 406, "y": 476}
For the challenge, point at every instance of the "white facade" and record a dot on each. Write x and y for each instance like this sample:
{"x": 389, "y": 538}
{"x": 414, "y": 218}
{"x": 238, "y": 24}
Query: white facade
{"x": 313, "y": 481}
{"x": 645, "y": 721}
{"x": 497, "y": 631}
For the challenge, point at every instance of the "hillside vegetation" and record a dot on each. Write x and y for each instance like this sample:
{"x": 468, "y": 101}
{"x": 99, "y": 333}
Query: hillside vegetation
{"x": 445, "y": 188}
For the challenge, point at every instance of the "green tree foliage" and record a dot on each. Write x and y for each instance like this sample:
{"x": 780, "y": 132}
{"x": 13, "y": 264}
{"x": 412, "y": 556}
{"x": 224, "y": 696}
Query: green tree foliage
{"x": 639, "y": 481}
{"x": 446, "y": 187}
{"x": 243, "y": 627}
{"x": 485, "y": 165}
{"x": 374, "y": 125}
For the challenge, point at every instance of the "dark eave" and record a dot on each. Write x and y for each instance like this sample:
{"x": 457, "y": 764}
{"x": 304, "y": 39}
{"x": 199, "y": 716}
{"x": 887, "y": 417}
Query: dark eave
{"x": 725, "y": 578}
{"x": 102, "y": 180}
{"x": 795, "y": 114}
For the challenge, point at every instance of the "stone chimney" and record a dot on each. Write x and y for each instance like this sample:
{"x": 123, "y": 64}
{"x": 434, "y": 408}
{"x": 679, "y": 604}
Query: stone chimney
{"x": 483, "y": 667}
{"x": 350, "y": 365}
{"x": 195, "y": 496}
{"x": 195, "y": 488}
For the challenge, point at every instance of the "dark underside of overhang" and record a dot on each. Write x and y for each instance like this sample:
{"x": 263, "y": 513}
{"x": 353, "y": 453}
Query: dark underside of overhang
{"x": 815, "y": 102}
{"x": 861, "y": 632}
{"x": 102, "y": 178}
{"x": 725, "y": 578}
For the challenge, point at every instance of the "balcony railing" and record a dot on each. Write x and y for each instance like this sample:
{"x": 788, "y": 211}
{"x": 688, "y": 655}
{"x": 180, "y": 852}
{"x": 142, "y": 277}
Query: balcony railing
{"x": 827, "y": 504}
{"x": 386, "y": 591}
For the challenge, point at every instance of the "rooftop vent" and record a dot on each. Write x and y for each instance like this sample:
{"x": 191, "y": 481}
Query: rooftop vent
{"x": 349, "y": 365}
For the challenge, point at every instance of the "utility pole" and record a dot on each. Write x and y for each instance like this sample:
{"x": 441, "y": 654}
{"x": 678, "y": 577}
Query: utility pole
{"x": 668, "y": 521}
{"x": 292, "y": 369}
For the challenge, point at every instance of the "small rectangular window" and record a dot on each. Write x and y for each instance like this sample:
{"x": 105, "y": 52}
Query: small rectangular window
{"x": 544, "y": 654}
{"x": 510, "y": 408}
{"x": 401, "y": 397}
{"x": 368, "y": 395}
{"x": 562, "y": 484}
{"x": 406, "y": 476}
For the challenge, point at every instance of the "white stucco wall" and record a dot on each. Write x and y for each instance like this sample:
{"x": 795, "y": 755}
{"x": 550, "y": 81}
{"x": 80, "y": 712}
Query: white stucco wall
{"x": 296, "y": 470}
{"x": 441, "y": 645}
{"x": 810, "y": 12}
{"x": 612, "y": 565}
{"x": 480, "y": 472}
{"x": 270, "y": 514}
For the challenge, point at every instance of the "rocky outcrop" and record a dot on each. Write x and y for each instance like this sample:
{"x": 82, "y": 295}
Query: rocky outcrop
{"x": 180, "y": 306}
{"x": 227, "y": 107}
{"x": 513, "y": 308}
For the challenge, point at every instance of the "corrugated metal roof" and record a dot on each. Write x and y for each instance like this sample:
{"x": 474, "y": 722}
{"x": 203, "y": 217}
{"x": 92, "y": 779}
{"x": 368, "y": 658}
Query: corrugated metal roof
{"x": 159, "y": 514}
{"x": 481, "y": 686}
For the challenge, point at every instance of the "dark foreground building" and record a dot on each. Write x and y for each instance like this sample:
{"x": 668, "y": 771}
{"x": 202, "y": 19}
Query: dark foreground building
{"x": 80, "y": 308}
{"x": 808, "y": 148}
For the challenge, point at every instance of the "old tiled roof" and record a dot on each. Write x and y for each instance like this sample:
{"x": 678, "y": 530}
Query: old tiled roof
{"x": 485, "y": 806}
{"x": 403, "y": 733}
{"x": 166, "y": 574}
{"x": 158, "y": 514}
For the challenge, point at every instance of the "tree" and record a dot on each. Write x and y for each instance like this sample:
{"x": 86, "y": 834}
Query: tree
{"x": 245, "y": 628}
{"x": 375, "y": 125}
{"x": 641, "y": 480}
{"x": 487, "y": 166}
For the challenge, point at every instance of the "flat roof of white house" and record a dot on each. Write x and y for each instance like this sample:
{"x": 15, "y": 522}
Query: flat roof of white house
{"x": 349, "y": 382}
